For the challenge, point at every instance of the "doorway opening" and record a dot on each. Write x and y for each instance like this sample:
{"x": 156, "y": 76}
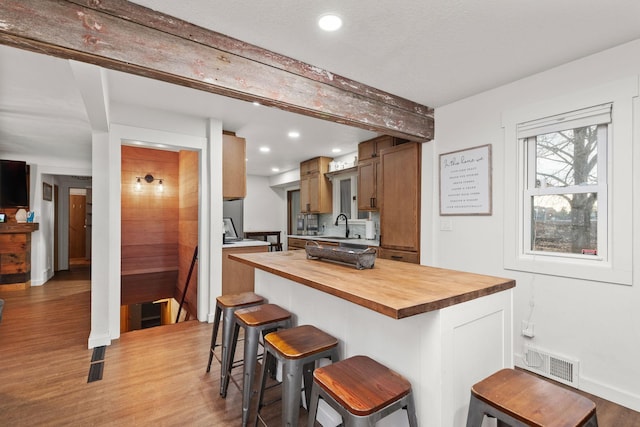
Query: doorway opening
{"x": 79, "y": 226}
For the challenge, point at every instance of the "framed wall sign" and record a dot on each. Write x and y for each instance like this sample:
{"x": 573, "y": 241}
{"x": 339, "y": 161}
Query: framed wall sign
{"x": 47, "y": 191}
{"x": 465, "y": 182}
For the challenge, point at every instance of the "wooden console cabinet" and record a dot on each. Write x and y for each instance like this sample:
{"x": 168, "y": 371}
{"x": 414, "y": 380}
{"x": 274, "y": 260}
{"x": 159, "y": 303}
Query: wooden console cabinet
{"x": 15, "y": 254}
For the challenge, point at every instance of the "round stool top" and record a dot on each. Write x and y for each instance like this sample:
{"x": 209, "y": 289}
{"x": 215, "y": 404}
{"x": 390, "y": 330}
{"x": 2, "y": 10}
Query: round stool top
{"x": 361, "y": 385}
{"x": 532, "y": 400}
{"x": 301, "y": 341}
{"x": 237, "y": 300}
{"x": 261, "y": 314}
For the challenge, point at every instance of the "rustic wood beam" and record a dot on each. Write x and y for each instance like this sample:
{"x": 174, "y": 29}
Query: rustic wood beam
{"x": 127, "y": 37}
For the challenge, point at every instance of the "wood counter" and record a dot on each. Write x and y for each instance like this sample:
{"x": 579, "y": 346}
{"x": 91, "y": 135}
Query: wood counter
{"x": 395, "y": 289}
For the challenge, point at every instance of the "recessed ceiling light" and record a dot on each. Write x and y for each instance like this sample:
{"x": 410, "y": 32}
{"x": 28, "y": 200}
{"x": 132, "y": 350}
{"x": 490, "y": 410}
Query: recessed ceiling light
{"x": 294, "y": 134}
{"x": 275, "y": 169}
{"x": 265, "y": 149}
{"x": 256, "y": 103}
{"x": 336, "y": 150}
{"x": 330, "y": 22}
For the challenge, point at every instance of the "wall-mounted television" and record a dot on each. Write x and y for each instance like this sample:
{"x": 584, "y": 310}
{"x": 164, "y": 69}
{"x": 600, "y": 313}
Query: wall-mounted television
{"x": 14, "y": 184}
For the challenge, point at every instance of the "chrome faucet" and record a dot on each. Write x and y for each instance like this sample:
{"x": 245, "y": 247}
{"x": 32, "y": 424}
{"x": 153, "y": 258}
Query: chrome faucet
{"x": 346, "y": 223}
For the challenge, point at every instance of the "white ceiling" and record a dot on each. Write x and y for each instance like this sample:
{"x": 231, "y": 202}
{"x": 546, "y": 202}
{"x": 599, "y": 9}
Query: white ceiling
{"x": 433, "y": 52}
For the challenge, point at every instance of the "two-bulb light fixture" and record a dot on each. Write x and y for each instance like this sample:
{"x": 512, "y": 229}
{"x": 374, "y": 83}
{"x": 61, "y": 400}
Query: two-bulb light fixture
{"x": 149, "y": 179}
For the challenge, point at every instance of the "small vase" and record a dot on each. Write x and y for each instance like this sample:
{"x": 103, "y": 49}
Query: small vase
{"x": 21, "y": 215}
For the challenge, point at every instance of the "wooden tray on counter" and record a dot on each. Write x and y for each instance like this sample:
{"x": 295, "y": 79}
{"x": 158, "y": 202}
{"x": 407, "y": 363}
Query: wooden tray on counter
{"x": 361, "y": 258}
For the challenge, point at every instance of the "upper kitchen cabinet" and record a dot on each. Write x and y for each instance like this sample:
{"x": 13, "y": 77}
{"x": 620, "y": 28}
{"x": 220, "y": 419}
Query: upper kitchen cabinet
{"x": 234, "y": 168}
{"x": 369, "y": 170}
{"x": 315, "y": 188}
{"x": 400, "y": 202}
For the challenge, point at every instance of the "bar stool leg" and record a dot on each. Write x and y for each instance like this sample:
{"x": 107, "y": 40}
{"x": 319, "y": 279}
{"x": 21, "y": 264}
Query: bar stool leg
{"x": 313, "y": 406}
{"x": 227, "y": 335}
{"x": 224, "y": 382}
{"x": 291, "y": 393}
{"x": 250, "y": 350}
{"x": 214, "y": 336}
{"x": 411, "y": 411}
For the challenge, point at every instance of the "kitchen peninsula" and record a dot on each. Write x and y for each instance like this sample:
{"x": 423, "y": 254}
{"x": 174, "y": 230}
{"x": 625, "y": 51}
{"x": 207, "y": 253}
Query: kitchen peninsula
{"x": 443, "y": 330}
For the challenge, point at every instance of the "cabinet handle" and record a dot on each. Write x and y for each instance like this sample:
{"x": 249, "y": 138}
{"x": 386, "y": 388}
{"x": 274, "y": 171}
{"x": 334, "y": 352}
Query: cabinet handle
{"x": 372, "y": 202}
{"x": 396, "y": 257}
{"x": 308, "y": 207}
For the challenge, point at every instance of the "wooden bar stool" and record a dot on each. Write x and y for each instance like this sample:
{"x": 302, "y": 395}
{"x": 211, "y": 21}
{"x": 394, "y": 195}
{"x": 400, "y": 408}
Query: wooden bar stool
{"x": 298, "y": 349}
{"x": 519, "y": 399}
{"x": 362, "y": 391}
{"x": 257, "y": 320}
{"x": 226, "y": 305}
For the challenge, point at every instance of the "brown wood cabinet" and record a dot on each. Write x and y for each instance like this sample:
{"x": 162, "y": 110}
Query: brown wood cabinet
{"x": 369, "y": 170}
{"x": 15, "y": 255}
{"x": 234, "y": 167}
{"x": 400, "y": 201}
{"x": 295, "y": 243}
{"x": 238, "y": 277}
{"x": 315, "y": 188}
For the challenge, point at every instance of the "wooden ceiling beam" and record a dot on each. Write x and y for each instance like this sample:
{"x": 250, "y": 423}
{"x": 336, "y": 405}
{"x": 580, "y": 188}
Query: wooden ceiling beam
{"x": 120, "y": 35}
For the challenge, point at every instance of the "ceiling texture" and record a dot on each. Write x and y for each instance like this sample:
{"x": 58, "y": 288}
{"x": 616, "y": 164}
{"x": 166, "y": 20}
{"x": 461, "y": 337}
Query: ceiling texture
{"x": 433, "y": 52}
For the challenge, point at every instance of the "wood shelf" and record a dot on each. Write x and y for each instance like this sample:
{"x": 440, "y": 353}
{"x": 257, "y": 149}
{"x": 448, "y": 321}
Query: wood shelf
{"x": 18, "y": 227}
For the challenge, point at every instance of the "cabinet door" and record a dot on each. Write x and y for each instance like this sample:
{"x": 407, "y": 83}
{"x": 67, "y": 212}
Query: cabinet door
{"x": 367, "y": 150}
{"x": 234, "y": 173}
{"x": 383, "y": 143}
{"x": 305, "y": 200}
{"x": 367, "y": 185}
{"x": 400, "y": 199}
{"x": 315, "y": 195}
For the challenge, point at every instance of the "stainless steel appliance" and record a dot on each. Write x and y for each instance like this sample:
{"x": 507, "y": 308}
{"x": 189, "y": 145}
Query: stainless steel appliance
{"x": 307, "y": 224}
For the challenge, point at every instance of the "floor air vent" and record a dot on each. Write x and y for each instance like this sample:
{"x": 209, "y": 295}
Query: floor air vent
{"x": 555, "y": 367}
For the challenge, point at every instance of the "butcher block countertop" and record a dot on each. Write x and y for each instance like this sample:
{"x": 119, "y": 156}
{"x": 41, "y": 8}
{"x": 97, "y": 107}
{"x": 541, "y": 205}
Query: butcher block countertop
{"x": 393, "y": 288}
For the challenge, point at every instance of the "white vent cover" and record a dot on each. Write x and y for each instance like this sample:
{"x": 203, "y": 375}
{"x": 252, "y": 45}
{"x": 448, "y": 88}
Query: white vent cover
{"x": 557, "y": 368}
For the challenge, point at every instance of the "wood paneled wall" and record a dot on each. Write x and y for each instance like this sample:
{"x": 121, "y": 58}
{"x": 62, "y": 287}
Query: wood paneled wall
{"x": 188, "y": 196}
{"x": 149, "y": 240}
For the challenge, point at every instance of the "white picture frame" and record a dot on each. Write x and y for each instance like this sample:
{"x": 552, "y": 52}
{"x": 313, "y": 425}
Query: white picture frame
{"x": 465, "y": 182}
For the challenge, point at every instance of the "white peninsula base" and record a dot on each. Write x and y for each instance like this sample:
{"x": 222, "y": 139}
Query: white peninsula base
{"x": 442, "y": 352}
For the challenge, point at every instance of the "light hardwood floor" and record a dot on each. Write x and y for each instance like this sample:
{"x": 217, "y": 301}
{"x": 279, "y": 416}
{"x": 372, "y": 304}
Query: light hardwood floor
{"x": 154, "y": 376}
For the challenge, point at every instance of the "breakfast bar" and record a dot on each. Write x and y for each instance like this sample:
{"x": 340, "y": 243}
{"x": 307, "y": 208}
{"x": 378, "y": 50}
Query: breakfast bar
{"x": 442, "y": 329}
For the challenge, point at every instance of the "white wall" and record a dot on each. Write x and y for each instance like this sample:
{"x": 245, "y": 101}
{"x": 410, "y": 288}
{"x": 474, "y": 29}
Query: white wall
{"x": 597, "y": 323}
{"x": 265, "y": 207}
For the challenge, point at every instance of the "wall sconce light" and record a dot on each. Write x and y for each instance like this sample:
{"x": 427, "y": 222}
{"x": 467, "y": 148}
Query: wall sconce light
{"x": 149, "y": 178}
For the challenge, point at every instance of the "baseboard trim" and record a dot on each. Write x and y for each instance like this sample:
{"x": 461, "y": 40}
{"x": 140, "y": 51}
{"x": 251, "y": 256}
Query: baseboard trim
{"x": 98, "y": 341}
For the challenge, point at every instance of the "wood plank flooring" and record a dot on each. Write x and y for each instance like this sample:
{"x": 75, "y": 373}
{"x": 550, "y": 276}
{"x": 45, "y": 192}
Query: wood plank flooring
{"x": 153, "y": 376}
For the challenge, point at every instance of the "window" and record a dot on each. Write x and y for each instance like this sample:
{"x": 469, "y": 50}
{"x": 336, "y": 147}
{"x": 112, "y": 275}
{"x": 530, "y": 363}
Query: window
{"x": 345, "y": 192}
{"x": 566, "y": 183}
{"x": 345, "y": 188}
{"x": 568, "y": 167}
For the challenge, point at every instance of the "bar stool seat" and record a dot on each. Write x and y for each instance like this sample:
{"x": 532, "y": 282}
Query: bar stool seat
{"x": 520, "y": 399}
{"x": 226, "y": 305}
{"x": 298, "y": 349}
{"x": 362, "y": 391}
{"x": 257, "y": 320}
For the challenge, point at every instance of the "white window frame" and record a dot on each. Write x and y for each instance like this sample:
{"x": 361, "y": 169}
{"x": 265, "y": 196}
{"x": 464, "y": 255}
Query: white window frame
{"x": 527, "y": 132}
{"x": 614, "y": 261}
{"x": 354, "y": 192}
